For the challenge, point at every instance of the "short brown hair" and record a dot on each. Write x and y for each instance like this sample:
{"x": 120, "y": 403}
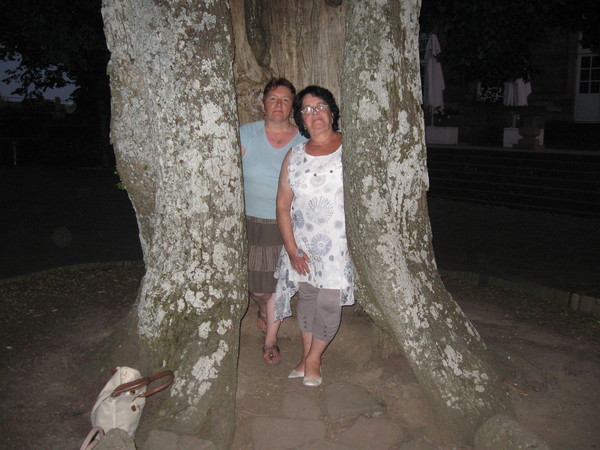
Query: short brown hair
{"x": 276, "y": 82}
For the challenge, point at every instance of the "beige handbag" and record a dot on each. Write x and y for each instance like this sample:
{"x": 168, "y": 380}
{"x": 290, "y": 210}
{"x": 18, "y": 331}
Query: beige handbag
{"x": 120, "y": 403}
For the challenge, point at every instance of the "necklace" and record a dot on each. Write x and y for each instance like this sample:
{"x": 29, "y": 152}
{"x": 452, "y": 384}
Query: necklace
{"x": 272, "y": 135}
{"x": 277, "y": 140}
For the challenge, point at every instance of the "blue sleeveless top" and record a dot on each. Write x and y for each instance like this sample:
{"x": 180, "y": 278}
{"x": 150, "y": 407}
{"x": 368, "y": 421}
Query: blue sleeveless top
{"x": 261, "y": 165}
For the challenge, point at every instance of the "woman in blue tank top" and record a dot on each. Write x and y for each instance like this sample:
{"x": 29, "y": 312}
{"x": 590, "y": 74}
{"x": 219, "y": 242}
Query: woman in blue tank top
{"x": 264, "y": 145}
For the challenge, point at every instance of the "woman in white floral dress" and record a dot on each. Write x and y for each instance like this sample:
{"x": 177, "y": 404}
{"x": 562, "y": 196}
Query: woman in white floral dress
{"x": 310, "y": 215}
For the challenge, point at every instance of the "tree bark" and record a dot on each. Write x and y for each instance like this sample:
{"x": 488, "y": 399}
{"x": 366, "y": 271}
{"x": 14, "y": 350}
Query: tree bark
{"x": 388, "y": 225}
{"x": 299, "y": 40}
{"x": 174, "y": 129}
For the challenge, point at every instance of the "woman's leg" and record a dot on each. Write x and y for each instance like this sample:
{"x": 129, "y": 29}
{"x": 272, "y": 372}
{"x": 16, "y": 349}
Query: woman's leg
{"x": 319, "y": 314}
{"x": 260, "y": 299}
{"x": 272, "y": 328}
{"x": 328, "y": 314}
{"x": 312, "y": 363}
{"x": 307, "y": 304}
{"x": 264, "y": 247}
{"x": 266, "y": 308}
{"x": 325, "y": 326}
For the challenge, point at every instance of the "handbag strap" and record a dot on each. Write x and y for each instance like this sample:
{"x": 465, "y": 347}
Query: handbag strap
{"x": 131, "y": 386}
{"x": 90, "y": 441}
{"x": 160, "y": 387}
{"x": 145, "y": 381}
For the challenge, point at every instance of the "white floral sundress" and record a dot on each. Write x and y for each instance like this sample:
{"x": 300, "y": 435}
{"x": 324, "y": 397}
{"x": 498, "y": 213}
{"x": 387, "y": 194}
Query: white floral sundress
{"x": 319, "y": 229}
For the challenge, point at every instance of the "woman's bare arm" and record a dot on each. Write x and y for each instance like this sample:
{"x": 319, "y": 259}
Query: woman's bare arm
{"x": 285, "y": 195}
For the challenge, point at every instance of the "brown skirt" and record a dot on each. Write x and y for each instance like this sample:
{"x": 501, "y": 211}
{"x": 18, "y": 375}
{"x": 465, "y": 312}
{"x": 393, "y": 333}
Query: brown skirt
{"x": 264, "y": 246}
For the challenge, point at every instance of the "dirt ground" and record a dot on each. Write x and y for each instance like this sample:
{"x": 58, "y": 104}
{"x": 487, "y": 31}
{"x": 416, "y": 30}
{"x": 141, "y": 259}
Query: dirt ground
{"x": 52, "y": 323}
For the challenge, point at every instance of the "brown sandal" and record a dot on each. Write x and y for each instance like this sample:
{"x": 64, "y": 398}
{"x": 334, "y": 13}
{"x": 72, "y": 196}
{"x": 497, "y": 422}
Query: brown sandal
{"x": 271, "y": 354}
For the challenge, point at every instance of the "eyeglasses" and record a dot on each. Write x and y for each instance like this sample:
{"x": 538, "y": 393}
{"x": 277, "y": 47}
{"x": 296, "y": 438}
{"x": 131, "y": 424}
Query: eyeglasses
{"x": 307, "y": 110}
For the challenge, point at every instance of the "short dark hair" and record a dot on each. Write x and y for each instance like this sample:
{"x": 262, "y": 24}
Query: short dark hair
{"x": 321, "y": 93}
{"x": 276, "y": 82}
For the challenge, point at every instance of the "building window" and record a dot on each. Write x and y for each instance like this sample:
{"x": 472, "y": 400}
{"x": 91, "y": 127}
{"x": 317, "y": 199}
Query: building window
{"x": 589, "y": 76}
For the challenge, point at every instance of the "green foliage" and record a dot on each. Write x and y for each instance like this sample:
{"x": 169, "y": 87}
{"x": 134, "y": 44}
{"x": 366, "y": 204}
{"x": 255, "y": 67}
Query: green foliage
{"x": 55, "y": 37}
{"x": 119, "y": 184}
{"x": 490, "y": 41}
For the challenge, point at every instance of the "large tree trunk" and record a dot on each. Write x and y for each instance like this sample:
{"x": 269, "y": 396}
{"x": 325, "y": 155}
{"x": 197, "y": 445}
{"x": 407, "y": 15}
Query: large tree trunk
{"x": 174, "y": 129}
{"x": 388, "y": 225}
{"x": 299, "y": 40}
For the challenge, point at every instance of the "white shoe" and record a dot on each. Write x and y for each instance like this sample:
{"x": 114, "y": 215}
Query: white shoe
{"x": 312, "y": 382}
{"x": 296, "y": 374}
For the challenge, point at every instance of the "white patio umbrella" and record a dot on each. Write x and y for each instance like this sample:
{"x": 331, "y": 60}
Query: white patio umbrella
{"x": 516, "y": 92}
{"x": 434, "y": 78}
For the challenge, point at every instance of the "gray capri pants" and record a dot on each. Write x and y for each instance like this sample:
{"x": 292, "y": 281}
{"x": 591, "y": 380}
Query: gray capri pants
{"x": 319, "y": 311}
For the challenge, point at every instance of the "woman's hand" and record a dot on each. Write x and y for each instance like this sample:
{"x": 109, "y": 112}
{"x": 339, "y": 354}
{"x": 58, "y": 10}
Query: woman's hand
{"x": 299, "y": 262}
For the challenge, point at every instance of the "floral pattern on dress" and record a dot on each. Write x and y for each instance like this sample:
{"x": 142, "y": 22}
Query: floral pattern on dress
{"x": 319, "y": 229}
{"x": 297, "y": 219}
{"x": 320, "y": 244}
{"x": 319, "y": 210}
{"x": 296, "y": 158}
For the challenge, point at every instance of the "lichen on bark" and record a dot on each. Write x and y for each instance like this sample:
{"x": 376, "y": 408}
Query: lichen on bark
{"x": 389, "y": 232}
{"x": 174, "y": 115}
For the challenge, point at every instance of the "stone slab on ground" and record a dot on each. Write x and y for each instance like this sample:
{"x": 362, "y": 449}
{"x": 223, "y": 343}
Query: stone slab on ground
{"x": 345, "y": 401}
{"x": 298, "y": 406}
{"x": 502, "y": 432}
{"x": 161, "y": 440}
{"x": 412, "y": 406}
{"x": 324, "y": 445}
{"x": 369, "y": 433}
{"x": 418, "y": 444}
{"x": 116, "y": 439}
{"x": 270, "y": 433}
